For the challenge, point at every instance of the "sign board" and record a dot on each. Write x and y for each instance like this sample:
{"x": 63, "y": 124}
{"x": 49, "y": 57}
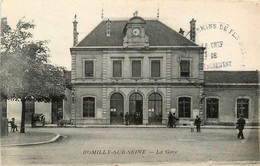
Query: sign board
{"x": 196, "y": 112}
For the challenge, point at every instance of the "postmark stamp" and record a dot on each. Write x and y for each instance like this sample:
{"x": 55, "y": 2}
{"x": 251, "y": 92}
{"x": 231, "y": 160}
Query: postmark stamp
{"x": 224, "y": 47}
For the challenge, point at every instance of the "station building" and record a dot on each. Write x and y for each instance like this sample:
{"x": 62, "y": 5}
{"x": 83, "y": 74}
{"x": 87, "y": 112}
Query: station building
{"x": 147, "y": 69}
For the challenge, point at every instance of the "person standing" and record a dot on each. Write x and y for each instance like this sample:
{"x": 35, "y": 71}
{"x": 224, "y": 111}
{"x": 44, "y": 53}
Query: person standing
{"x": 126, "y": 119}
{"x": 170, "y": 120}
{"x": 175, "y": 119}
{"x": 240, "y": 125}
{"x": 197, "y": 123}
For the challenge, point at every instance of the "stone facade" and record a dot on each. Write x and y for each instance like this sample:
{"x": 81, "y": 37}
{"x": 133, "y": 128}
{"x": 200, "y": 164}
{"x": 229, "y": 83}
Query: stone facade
{"x": 113, "y": 73}
{"x": 169, "y": 85}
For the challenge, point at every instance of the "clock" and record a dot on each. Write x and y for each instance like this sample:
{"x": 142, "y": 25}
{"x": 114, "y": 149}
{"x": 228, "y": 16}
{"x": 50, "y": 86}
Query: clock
{"x": 136, "y": 31}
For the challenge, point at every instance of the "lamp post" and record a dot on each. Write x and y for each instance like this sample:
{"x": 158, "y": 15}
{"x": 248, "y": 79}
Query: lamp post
{"x": 202, "y": 110}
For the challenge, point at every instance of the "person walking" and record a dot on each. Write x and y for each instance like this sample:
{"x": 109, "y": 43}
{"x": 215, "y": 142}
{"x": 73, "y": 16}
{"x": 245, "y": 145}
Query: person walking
{"x": 126, "y": 119}
{"x": 170, "y": 120}
{"x": 197, "y": 123}
{"x": 240, "y": 126}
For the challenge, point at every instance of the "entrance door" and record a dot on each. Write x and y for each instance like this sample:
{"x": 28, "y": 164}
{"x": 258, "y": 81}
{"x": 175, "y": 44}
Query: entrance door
{"x": 136, "y": 109}
{"x": 29, "y": 110}
{"x": 56, "y": 111}
{"x": 155, "y": 109}
{"x": 116, "y": 109}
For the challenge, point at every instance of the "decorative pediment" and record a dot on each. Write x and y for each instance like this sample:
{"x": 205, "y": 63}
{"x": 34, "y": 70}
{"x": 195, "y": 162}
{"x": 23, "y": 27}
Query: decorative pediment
{"x": 135, "y": 33}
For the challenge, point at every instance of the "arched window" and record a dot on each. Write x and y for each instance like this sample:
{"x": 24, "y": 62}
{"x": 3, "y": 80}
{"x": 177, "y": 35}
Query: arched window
{"x": 184, "y": 108}
{"x": 88, "y": 107}
{"x": 155, "y": 108}
{"x": 212, "y": 106}
{"x": 242, "y": 107}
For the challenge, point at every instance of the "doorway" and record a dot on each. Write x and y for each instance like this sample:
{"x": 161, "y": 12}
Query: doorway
{"x": 155, "y": 109}
{"x": 56, "y": 111}
{"x": 116, "y": 109}
{"x": 29, "y": 110}
{"x": 136, "y": 109}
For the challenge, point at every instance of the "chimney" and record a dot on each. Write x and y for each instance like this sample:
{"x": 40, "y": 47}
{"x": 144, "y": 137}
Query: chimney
{"x": 192, "y": 30}
{"x": 75, "y": 33}
{"x": 181, "y": 31}
{"x": 108, "y": 27}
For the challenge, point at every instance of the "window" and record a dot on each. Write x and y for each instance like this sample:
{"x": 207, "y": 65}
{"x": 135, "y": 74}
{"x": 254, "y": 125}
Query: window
{"x": 89, "y": 68}
{"x": 155, "y": 68}
{"x": 136, "y": 68}
{"x": 185, "y": 68}
{"x": 212, "y": 107}
{"x": 117, "y": 68}
{"x": 242, "y": 107}
{"x": 184, "y": 108}
{"x": 88, "y": 107}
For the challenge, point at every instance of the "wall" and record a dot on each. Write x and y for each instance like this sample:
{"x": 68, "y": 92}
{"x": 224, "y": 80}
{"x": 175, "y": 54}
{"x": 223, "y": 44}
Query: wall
{"x": 90, "y": 91}
{"x": 192, "y": 55}
{"x": 102, "y": 85}
{"x": 84, "y": 55}
{"x": 14, "y": 110}
{"x": 227, "y": 103}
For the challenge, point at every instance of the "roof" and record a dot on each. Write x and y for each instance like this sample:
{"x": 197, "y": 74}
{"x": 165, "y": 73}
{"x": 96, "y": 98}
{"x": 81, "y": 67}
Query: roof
{"x": 159, "y": 35}
{"x": 231, "y": 77}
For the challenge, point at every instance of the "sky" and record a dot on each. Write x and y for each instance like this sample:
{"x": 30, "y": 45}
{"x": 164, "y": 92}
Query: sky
{"x": 233, "y": 43}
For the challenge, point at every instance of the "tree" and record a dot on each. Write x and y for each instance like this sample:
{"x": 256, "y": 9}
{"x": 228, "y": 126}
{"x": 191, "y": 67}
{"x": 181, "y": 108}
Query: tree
{"x": 25, "y": 72}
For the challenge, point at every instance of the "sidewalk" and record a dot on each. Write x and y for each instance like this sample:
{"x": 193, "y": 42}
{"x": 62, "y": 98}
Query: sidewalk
{"x": 28, "y": 138}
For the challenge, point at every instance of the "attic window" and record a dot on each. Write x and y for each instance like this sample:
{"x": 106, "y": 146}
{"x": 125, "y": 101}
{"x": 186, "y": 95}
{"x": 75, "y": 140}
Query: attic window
{"x": 108, "y": 28}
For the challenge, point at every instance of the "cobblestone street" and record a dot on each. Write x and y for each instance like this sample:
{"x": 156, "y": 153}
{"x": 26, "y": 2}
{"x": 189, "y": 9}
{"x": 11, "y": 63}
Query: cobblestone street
{"x": 137, "y": 145}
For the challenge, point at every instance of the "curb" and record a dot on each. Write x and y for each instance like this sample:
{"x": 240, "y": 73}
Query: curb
{"x": 36, "y": 143}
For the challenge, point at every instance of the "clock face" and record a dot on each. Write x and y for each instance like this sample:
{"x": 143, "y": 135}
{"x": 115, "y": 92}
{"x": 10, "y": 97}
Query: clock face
{"x": 136, "y": 31}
